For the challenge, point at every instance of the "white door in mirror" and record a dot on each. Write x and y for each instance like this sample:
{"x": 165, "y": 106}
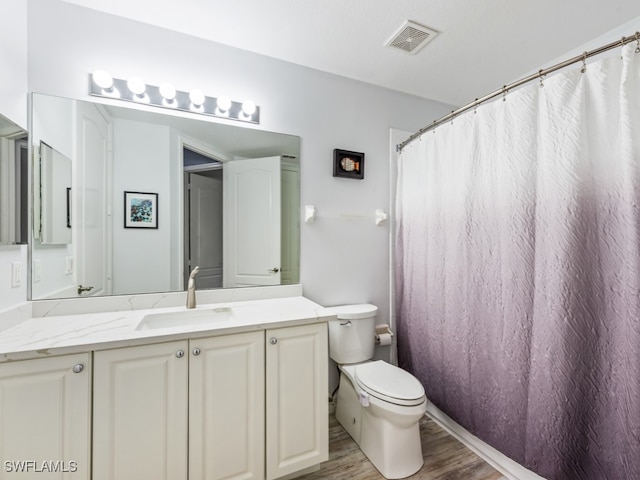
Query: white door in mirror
{"x": 90, "y": 218}
{"x": 252, "y": 216}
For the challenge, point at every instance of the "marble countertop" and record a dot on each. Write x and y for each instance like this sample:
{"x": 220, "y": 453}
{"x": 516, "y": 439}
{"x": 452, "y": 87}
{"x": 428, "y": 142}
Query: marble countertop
{"x": 64, "y": 334}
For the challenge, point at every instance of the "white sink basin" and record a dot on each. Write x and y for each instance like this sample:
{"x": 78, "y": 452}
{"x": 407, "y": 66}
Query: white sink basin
{"x": 196, "y": 316}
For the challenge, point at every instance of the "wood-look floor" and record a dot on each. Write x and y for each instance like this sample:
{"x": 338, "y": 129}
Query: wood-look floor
{"x": 445, "y": 458}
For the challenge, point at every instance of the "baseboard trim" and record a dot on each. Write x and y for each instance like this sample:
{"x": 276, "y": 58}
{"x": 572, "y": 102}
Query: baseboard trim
{"x": 509, "y": 468}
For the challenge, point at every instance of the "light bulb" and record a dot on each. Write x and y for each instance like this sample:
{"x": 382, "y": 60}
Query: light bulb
{"x": 167, "y": 91}
{"x": 136, "y": 85}
{"x": 224, "y": 103}
{"x": 197, "y": 97}
{"x": 103, "y": 79}
{"x": 248, "y": 107}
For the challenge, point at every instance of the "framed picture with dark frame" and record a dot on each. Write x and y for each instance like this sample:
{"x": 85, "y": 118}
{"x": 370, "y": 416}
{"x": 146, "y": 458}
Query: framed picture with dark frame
{"x": 140, "y": 210}
{"x": 348, "y": 164}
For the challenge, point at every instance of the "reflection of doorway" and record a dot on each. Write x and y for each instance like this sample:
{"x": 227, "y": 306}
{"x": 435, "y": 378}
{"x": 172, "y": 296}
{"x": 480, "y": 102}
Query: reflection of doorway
{"x": 203, "y": 218}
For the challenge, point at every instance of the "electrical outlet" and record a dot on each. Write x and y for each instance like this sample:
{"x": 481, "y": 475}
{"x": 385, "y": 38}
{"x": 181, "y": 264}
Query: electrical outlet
{"x": 37, "y": 270}
{"x": 16, "y": 274}
{"x": 68, "y": 265}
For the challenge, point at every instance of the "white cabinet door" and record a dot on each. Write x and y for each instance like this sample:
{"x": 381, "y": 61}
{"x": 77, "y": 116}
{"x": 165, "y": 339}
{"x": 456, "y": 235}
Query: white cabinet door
{"x": 226, "y": 407}
{"x": 45, "y": 418}
{"x": 140, "y": 412}
{"x": 297, "y": 405}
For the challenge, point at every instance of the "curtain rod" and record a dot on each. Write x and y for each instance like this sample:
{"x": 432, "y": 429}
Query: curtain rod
{"x": 505, "y": 89}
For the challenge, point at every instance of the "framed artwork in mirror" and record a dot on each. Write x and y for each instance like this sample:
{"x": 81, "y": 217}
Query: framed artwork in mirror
{"x": 140, "y": 210}
{"x": 348, "y": 164}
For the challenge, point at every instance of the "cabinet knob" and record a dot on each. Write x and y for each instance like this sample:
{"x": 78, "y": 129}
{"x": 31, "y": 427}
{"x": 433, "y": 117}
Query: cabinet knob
{"x": 273, "y": 340}
{"x": 196, "y": 351}
{"x": 78, "y": 368}
{"x": 180, "y": 353}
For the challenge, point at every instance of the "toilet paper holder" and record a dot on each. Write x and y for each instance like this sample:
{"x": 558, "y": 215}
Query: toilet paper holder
{"x": 384, "y": 334}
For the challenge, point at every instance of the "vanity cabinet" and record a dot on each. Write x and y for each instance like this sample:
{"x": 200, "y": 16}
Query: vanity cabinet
{"x": 45, "y": 417}
{"x": 296, "y": 393}
{"x": 187, "y": 409}
{"x": 140, "y": 408}
{"x": 226, "y": 407}
{"x": 239, "y": 406}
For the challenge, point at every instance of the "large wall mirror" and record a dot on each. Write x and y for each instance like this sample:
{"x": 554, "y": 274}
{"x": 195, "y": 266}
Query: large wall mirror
{"x": 151, "y": 195}
{"x": 14, "y": 184}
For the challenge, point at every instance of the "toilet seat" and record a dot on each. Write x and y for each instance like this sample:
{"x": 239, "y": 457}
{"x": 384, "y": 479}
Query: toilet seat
{"x": 389, "y": 383}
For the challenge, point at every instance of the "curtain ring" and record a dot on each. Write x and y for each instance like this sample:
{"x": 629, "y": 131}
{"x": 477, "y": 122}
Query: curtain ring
{"x": 621, "y": 48}
{"x": 584, "y": 63}
{"x": 475, "y": 106}
{"x": 434, "y": 126}
{"x": 504, "y": 93}
{"x": 541, "y": 78}
{"x": 637, "y": 42}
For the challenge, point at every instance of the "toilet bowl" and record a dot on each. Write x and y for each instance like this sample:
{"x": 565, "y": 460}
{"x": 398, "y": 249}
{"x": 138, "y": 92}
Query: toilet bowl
{"x": 378, "y": 404}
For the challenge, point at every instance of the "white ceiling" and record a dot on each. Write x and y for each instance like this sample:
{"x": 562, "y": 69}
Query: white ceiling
{"x": 482, "y": 45}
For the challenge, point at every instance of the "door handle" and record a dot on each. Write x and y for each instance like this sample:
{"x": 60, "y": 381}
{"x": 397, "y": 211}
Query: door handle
{"x": 273, "y": 270}
{"x": 82, "y": 289}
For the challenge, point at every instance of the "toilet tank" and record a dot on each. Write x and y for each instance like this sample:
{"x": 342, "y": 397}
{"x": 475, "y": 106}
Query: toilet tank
{"x": 352, "y": 334}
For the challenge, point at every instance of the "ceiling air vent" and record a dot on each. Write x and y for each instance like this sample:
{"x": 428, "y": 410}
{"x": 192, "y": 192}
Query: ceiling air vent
{"x": 411, "y": 37}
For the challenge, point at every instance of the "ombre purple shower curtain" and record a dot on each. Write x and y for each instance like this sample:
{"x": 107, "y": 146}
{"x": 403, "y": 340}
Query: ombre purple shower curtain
{"x": 518, "y": 271}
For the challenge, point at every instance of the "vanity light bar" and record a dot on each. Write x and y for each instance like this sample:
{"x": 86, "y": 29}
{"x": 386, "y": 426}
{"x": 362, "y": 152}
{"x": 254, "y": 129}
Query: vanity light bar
{"x": 166, "y": 96}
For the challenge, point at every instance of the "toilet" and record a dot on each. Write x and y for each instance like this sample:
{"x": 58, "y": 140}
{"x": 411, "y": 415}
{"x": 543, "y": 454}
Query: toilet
{"x": 378, "y": 404}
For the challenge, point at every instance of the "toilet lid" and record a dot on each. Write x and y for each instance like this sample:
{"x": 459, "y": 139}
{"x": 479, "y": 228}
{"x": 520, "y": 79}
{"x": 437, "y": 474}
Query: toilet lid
{"x": 389, "y": 383}
{"x": 354, "y": 312}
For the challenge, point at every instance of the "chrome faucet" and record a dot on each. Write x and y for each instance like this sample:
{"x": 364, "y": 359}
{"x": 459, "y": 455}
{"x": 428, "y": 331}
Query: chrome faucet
{"x": 191, "y": 289}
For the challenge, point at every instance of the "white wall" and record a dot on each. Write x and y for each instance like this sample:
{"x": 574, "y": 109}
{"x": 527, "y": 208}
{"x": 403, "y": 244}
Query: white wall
{"x": 10, "y": 296}
{"x": 342, "y": 261}
{"x": 13, "y": 61}
{"x": 13, "y": 105}
{"x": 141, "y": 163}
